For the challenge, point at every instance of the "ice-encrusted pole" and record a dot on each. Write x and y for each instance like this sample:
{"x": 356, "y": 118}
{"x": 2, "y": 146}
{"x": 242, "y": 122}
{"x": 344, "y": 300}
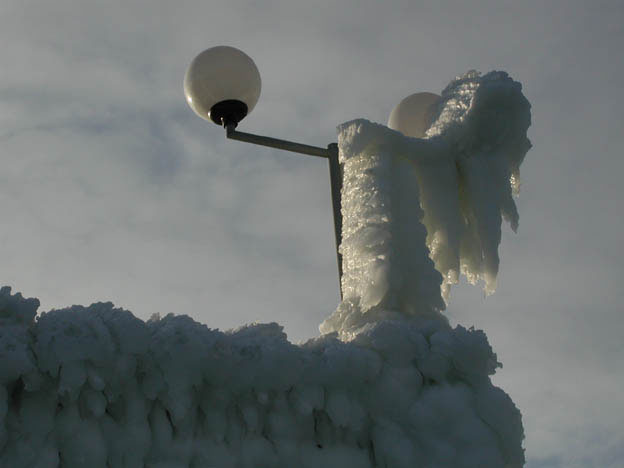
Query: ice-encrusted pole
{"x": 417, "y": 212}
{"x": 387, "y": 271}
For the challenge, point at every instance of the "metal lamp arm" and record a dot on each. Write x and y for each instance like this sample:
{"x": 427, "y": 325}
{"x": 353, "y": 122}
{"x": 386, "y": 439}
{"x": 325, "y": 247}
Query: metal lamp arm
{"x": 233, "y": 134}
{"x": 335, "y": 173}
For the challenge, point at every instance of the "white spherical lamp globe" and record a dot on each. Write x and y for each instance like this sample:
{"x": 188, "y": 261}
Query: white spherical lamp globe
{"x": 222, "y": 84}
{"x": 414, "y": 115}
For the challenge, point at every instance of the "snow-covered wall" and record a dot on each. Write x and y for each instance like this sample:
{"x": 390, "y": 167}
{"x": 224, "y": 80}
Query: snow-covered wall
{"x": 97, "y": 387}
{"x": 389, "y": 384}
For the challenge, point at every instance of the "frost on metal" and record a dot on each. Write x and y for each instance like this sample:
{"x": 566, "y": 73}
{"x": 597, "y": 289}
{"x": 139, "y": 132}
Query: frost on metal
{"x": 389, "y": 384}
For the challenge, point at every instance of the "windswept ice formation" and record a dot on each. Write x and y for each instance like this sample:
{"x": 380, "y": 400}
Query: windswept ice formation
{"x": 389, "y": 385}
{"x": 482, "y": 133}
{"x": 409, "y": 204}
{"x": 97, "y": 387}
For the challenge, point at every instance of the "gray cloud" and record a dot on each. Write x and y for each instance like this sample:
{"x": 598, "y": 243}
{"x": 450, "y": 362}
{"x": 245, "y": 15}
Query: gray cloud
{"x": 113, "y": 190}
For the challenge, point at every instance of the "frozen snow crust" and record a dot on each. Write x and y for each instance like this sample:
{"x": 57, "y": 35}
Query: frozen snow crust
{"x": 97, "y": 387}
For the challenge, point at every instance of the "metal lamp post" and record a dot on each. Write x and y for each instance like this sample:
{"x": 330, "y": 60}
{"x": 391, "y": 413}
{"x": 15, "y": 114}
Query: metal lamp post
{"x": 222, "y": 84}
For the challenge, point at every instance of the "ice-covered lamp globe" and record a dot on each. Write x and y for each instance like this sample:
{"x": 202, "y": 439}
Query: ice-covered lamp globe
{"x": 414, "y": 115}
{"x": 222, "y": 84}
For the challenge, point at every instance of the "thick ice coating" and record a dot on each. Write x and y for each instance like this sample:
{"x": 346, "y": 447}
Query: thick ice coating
{"x": 390, "y": 384}
{"x": 443, "y": 197}
{"x": 482, "y": 130}
{"x": 96, "y": 387}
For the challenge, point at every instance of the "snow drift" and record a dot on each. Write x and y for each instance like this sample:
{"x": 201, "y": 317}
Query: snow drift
{"x": 389, "y": 384}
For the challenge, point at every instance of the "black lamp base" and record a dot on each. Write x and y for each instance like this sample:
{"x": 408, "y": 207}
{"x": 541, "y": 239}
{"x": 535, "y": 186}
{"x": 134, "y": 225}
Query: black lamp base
{"x": 228, "y": 112}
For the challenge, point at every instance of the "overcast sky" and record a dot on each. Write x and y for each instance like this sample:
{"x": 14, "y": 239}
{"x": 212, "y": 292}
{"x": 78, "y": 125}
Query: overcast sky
{"x": 112, "y": 189}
